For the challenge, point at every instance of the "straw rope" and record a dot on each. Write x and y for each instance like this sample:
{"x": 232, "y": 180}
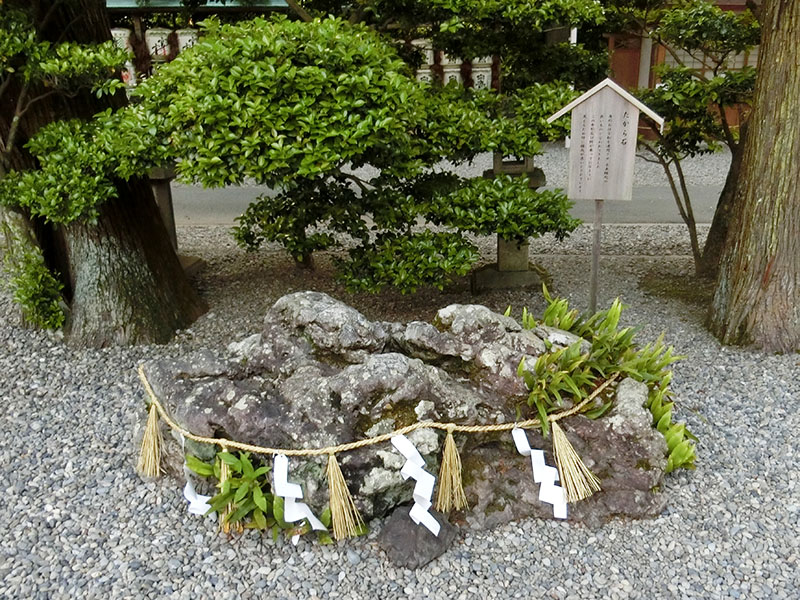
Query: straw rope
{"x": 379, "y": 439}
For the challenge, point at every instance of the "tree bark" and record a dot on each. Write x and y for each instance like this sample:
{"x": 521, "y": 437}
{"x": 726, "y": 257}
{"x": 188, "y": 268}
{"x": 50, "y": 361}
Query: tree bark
{"x": 708, "y": 265}
{"x": 757, "y": 299}
{"x": 123, "y": 280}
{"x": 126, "y": 281}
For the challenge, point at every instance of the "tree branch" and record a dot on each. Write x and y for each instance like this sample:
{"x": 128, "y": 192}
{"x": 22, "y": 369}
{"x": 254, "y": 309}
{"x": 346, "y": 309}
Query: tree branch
{"x": 299, "y": 11}
{"x": 726, "y": 127}
{"x": 36, "y": 99}
{"x": 690, "y": 214}
{"x": 363, "y": 185}
{"x": 4, "y": 85}
{"x": 48, "y": 15}
{"x": 12, "y": 130}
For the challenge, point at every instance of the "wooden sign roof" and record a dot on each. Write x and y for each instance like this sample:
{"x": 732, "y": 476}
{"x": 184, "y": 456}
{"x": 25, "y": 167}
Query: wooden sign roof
{"x": 608, "y": 83}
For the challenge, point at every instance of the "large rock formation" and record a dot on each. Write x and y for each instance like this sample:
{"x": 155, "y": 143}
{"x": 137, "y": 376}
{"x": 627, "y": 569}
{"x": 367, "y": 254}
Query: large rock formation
{"x": 321, "y": 374}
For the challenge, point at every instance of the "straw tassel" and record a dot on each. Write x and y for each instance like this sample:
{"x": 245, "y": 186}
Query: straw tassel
{"x": 149, "y": 464}
{"x": 345, "y": 518}
{"x": 224, "y": 475}
{"x": 576, "y": 478}
{"x": 450, "y": 495}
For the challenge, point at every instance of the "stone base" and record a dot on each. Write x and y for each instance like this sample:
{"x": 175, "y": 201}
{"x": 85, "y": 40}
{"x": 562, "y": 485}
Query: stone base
{"x": 192, "y": 265}
{"x": 490, "y": 278}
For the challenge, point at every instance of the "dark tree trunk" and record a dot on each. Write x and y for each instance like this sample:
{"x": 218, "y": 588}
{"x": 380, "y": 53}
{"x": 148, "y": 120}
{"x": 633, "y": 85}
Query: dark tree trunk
{"x": 126, "y": 281}
{"x": 123, "y": 280}
{"x": 757, "y": 300}
{"x": 708, "y": 266}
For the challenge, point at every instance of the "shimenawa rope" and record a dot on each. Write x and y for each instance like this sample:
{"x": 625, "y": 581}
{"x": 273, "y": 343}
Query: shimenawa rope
{"x": 451, "y": 427}
{"x": 579, "y": 482}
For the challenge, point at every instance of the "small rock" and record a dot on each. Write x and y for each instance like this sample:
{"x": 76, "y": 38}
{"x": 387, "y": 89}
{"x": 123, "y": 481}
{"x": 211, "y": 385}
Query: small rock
{"x": 410, "y": 545}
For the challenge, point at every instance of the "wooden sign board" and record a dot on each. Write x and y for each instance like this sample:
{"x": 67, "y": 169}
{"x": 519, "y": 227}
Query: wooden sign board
{"x": 603, "y": 147}
{"x": 605, "y": 123}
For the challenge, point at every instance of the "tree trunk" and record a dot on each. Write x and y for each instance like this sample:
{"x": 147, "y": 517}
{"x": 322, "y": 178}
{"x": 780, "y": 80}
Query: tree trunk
{"x": 123, "y": 280}
{"x": 708, "y": 266}
{"x": 757, "y": 300}
{"x": 126, "y": 281}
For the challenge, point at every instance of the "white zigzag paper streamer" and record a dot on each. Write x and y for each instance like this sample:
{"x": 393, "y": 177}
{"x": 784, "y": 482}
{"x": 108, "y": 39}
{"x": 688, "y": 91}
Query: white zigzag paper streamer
{"x": 291, "y": 492}
{"x": 542, "y": 474}
{"x": 423, "y": 490}
{"x": 198, "y": 503}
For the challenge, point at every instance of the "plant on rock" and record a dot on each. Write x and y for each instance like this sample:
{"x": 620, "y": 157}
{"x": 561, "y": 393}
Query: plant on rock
{"x": 575, "y": 369}
{"x": 244, "y": 500}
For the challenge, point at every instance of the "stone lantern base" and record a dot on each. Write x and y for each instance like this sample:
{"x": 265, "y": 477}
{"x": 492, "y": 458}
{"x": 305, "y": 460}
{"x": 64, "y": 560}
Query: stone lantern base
{"x": 512, "y": 269}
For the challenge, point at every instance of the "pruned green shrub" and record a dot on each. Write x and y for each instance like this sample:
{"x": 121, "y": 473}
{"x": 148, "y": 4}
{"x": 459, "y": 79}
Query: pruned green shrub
{"x": 301, "y": 107}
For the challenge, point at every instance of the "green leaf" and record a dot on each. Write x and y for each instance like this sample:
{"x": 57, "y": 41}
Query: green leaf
{"x": 220, "y": 501}
{"x": 545, "y": 422}
{"x": 259, "y": 519}
{"x": 241, "y": 493}
{"x": 324, "y": 538}
{"x": 325, "y": 517}
{"x": 664, "y": 421}
{"x": 247, "y": 467}
{"x": 596, "y": 413}
{"x": 241, "y": 512}
{"x": 277, "y": 512}
{"x": 259, "y": 499}
{"x": 230, "y": 460}
{"x": 261, "y": 471}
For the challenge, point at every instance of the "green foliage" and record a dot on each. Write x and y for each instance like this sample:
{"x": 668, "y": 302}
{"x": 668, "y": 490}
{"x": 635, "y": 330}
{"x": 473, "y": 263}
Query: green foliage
{"x": 277, "y": 101}
{"x": 79, "y": 162}
{"x": 76, "y": 169}
{"x": 513, "y": 30}
{"x": 504, "y": 205}
{"x": 554, "y": 373}
{"x": 680, "y": 441}
{"x": 564, "y": 61}
{"x": 409, "y": 261}
{"x": 708, "y": 31}
{"x": 300, "y": 106}
{"x": 574, "y": 371}
{"x": 64, "y": 66}
{"x": 535, "y": 14}
{"x": 34, "y": 288}
{"x": 693, "y": 101}
{"x": 244, "y": 497}
{"x": 71, "y": 181}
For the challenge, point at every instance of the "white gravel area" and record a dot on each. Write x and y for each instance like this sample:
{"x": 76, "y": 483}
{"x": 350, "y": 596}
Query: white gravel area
{"x": 78, "y": 523}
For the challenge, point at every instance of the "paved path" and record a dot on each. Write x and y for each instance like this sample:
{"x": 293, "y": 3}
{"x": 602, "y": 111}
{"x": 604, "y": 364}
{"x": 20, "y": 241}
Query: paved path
{"x": 194, "y": 205}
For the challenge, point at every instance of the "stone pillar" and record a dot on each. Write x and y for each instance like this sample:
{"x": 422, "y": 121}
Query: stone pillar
{"x": 512, "y": 255}
{"x": 160, "y": 180}
{"x": 512, "y": 269}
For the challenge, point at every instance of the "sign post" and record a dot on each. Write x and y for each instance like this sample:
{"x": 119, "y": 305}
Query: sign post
{"x": 602, "y": 152}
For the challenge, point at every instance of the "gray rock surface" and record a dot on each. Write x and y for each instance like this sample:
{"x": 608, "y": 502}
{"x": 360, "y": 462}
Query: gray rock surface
{"x": 411, "y": 546}
{"x": 322, "y": 374}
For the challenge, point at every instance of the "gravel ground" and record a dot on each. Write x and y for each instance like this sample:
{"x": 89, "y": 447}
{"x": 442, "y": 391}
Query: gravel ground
{"x": 78, "y": 523}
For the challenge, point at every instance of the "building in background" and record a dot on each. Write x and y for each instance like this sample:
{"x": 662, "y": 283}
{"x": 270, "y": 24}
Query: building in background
{"x": 632, "y": 57}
